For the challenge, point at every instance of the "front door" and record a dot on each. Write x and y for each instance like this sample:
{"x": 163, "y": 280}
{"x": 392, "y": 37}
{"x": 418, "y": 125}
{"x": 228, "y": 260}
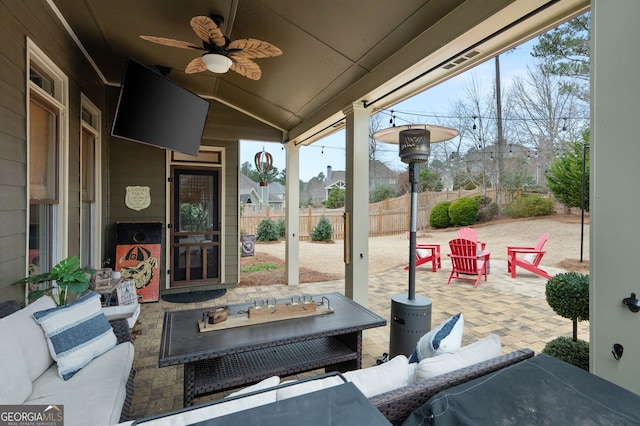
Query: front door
{"x": 195, "y": 226}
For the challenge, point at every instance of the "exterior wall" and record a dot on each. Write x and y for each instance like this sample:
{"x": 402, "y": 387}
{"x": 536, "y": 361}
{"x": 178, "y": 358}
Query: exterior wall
{"x": 614, "y": 241}
{"x": 34, "y": 19}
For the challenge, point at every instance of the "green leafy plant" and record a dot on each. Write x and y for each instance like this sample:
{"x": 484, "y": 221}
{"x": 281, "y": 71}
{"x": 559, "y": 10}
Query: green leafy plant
{"x": 323, "y": 231}
{"x": 282, "y": 228}
{"x": 568, "y": 296}
{"x": 267, "y": 230}
{"x": 381, "y": 193}
{"x": 439, "y": 215}
{"x": 463, "y": 211}
{"x": 564, "y": 348}
{"x": 336, "y": 198}
{"x": 64, "y": 278}
{"x": 529, "y": 206}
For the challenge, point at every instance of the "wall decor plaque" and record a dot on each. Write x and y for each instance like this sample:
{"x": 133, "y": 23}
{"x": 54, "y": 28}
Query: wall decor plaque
{"x": 137, "y": 197}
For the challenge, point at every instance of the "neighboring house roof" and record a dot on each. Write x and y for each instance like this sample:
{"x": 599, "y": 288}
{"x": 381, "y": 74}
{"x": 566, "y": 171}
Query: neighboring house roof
{"x": 248, "y": 190}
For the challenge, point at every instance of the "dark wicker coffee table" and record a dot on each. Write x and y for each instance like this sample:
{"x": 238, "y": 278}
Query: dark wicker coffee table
{"x": 224, "y": 359}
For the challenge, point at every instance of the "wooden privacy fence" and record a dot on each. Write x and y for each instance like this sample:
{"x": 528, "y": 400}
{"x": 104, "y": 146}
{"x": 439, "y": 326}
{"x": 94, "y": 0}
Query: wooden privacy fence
{"x": 391, "y": 216}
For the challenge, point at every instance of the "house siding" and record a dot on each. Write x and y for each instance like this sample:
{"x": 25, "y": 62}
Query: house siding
{"x": 35, "y": 20}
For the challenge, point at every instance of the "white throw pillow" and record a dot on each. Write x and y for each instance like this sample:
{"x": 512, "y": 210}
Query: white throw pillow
{"x": 476, "y": 352}
{"x": 447, "y": 337}
{"x": 76, "y": 333}
{"x": 381, "y": 378}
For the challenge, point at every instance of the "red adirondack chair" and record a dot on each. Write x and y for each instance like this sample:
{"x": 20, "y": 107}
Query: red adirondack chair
{"x": 427, "y": 253}
{"x": 465, "y": 260}
{"x": 471, "y": 234}
{"x": 530, "y": 260}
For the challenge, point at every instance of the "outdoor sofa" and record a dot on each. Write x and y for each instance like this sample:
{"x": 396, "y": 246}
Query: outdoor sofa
{"x": 99, "y": 379}
{"x": 395, "y": 404}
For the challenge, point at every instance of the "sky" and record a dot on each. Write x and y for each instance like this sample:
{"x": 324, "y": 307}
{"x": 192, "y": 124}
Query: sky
{"x": 330, "y": 151}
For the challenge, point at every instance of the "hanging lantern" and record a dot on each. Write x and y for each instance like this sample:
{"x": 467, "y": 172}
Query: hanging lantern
{"x": 263, "y": 161}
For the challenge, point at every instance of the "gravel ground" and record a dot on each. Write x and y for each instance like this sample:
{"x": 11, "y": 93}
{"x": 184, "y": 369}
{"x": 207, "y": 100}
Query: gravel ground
{"x": 324, "y": 261}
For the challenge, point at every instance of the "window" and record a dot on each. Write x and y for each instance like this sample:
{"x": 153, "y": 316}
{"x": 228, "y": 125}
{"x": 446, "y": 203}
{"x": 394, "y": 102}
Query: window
{"x": 47, "y": 161}
{"x": 90, "y": 225}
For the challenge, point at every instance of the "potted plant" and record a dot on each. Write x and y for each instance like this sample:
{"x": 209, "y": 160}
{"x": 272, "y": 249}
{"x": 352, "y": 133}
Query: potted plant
{"x": 64, "y": 278}
{"x": 568, "y": 296}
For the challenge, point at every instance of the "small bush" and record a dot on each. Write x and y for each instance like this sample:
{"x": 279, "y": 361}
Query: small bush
{"x": 282, "y": 228}
{"x": 565, "y": 349}
{"x": 529, "y": 206}
{"x": 267, "y": 231}
{"x": 488, "y": 213}
{"x": 568, "y": 295}
{"x": 323, "y": 231}
{"x": 439, "y": 216}
{"x": 463, "y": 211}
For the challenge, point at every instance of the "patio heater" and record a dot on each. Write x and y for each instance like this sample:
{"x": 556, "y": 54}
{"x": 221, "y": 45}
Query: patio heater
{"x": 411, "y": 314}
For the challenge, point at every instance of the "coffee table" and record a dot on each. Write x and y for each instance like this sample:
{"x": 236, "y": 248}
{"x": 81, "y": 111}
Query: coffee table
{"x": 218, "y": 360}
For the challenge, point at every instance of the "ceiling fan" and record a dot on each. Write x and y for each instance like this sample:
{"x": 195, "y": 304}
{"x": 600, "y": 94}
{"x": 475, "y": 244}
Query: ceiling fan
{"x": 221, "y": 54}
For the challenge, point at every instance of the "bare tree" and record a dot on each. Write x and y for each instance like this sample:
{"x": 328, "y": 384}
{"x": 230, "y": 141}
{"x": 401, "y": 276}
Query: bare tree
{"x": 546, "y": 116}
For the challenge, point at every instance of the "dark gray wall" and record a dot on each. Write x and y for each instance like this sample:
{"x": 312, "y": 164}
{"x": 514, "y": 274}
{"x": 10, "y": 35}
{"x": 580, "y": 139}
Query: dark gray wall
{"x": 19, "y": 20}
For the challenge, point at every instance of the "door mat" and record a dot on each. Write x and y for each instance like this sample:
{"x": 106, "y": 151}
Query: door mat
{"x": 194, "y": 296}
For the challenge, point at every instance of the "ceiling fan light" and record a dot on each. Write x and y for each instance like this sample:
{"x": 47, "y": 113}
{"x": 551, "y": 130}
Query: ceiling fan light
{"x": 216, "y": 63}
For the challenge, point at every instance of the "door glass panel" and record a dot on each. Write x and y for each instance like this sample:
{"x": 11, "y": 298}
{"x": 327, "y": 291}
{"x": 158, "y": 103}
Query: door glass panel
{"x": 195, "y": 231}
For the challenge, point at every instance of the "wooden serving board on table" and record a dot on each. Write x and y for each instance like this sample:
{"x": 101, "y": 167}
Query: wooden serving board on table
{"x": 279, "y": 312}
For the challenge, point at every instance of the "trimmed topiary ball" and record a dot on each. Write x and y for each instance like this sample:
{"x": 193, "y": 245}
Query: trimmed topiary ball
{"x": 568, "y": 295}
{"x": 463, "y": 211}
{"x": 439, "y": 215}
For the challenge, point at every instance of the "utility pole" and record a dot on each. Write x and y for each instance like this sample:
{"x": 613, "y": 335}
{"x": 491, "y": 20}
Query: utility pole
{"x": 500, "y": 145}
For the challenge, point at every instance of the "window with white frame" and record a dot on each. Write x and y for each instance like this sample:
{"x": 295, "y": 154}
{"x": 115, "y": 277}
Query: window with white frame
{"x": 47, "y": 153}
{"x": 90, "y": 175}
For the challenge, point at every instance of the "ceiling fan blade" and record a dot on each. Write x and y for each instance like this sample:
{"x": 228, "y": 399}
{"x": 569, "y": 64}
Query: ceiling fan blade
{"x": 196, "y": 65}
{"x": 207, "y": 30}
{"x": 246, "y": 67}
{"x": 171, "y": 42}
{"x": 252, "y": 48}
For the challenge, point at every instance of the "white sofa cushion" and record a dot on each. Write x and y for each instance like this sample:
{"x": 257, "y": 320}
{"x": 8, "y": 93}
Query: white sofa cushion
{"x": 447, "y": 337}
{"x": 307, "y": 387}
{"x": 16, "y": 384}
{"x": 381, "y": 378}
{"x": 93, "y": 396}
{"x": 198, "y": 414}
{"x": 32, "y": 341}
{"x": 479, "y": 351}
{"x": 76, "y": 333}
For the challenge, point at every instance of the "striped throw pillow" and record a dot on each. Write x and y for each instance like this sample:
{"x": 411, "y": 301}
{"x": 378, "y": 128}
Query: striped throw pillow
{"x": 76, "y": 333}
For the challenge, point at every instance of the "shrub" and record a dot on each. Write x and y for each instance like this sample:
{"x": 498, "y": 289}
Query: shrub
{"x": 336, "y": 198}
{"x": 528, "y": 206}
{"x": 267, "y": 231}
{"x": 487, "y": 210}
{"x": 323, "y": 231}
{"x": 565, "y": 349}
{"x": 381, "y": 193}
{"x": 282, "y": 228}
{"x": 568, "y": 296}
{"x": 463, "y": 211}
{"x": 439, "y": 216}
{"x": 488, "y": 213}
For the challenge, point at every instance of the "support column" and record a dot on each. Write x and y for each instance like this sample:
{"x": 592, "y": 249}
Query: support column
{"x": 292, "y": 216}
{"x": 357, "y": 204}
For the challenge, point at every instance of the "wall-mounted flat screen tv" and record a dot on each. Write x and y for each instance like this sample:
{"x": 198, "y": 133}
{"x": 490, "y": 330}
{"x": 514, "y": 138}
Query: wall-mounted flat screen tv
{"x": 154, "y": 110}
